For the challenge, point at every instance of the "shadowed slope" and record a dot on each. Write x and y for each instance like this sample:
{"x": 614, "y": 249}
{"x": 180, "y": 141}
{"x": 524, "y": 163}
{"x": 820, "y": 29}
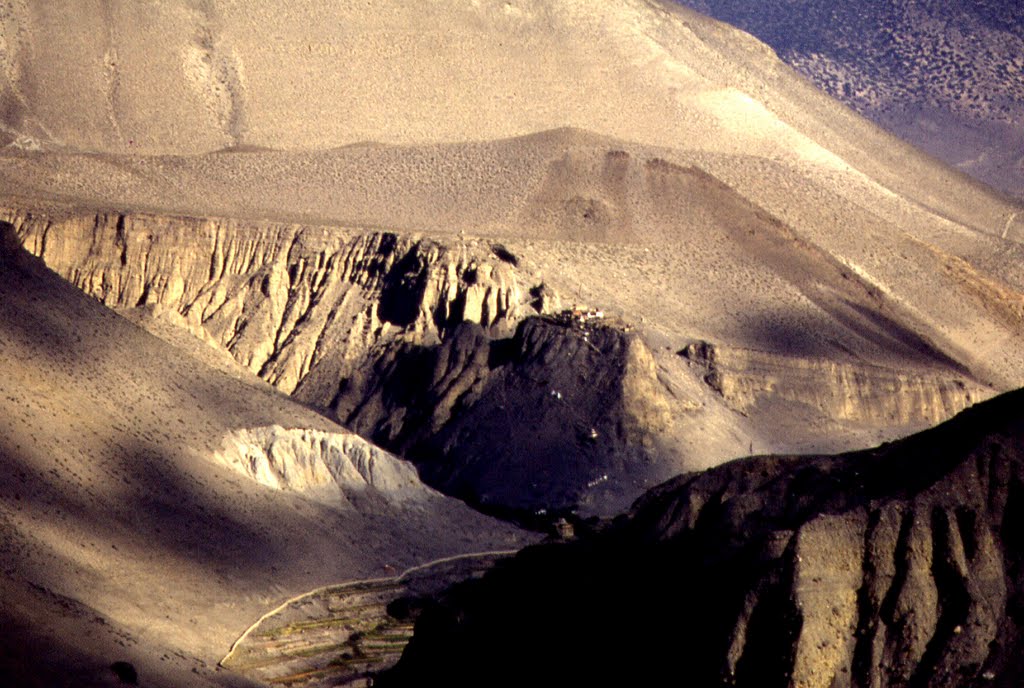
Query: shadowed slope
{"x": 898, "y": 566}
{"x": 122, "y": 539}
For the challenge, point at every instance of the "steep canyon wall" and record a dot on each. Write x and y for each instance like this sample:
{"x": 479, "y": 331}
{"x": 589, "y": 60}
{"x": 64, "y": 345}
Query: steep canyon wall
{"x": 361, "y": 324}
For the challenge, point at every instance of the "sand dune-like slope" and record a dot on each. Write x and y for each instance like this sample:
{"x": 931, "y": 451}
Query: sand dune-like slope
{"x": 189, "y": 78}
{"x": 130, "y": 529}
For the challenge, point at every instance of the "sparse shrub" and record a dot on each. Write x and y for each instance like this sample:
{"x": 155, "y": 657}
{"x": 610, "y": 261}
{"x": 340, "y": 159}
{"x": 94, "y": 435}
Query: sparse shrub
{"x": 125, "y": 673}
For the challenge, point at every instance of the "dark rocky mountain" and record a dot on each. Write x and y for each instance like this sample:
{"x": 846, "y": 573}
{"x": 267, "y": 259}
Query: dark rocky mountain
{"x": 564, "y": 414}
{"x": 897, "y": 566}
{"x": 948, "y": 77}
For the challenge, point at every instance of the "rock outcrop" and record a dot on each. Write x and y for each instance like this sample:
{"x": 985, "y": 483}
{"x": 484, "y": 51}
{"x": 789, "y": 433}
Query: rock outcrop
{"x": 559, "y": 415}
{"x": 329, "y": 466}
{"x": 898, "y": 566}
{"x": 295, "y": 305}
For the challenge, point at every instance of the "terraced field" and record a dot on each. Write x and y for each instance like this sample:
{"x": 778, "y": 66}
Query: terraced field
{"x": 343, "y": 635}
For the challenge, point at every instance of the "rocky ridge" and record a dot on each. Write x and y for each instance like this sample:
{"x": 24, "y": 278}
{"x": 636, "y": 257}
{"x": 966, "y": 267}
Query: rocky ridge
{"x": 555, "y": 417}
{"x": 897, "y": 566}
{"x": 433, "y": 348}
{"x": 330, "y": 466}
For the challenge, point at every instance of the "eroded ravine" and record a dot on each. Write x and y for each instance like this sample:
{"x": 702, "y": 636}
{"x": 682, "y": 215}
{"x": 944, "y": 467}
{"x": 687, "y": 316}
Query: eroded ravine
{"x": 370, "y": 326}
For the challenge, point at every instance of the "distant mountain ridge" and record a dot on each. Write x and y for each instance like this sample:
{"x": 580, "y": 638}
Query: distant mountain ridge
{"x": 948, "y": 77}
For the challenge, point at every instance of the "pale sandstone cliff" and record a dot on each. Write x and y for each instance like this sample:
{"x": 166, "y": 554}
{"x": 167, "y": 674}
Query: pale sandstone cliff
{"x": 324, "y": 314}
{"x": 296, "y": 305}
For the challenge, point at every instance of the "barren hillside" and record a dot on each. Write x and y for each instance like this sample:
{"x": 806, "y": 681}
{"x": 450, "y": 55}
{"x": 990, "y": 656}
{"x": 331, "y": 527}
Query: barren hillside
{"x": 130, "y": 529}
{"x": 834, "y": 315}
{"x": 550, "y": 251}
{"x": 945, "y": 76}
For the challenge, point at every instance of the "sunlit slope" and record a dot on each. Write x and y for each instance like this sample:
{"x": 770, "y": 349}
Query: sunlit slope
{"x": 945, "y": 76}
{"x": 185, "y": 77}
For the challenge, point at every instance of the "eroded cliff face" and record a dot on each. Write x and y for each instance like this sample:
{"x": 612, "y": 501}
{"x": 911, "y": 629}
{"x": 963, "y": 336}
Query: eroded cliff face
{"x": 899, "y": 566}
{"x": 298, "y": 306}
{"x": 842, "y": 390}
{"x": 334, "y": 467}
{"x": 371, "y": 326}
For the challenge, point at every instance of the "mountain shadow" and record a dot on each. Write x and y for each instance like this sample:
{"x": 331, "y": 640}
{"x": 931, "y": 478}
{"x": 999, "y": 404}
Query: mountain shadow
{"x": 897, "y": 566}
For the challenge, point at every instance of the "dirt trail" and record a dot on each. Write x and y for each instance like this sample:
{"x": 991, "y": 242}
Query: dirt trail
{"x": 356, "y": 583}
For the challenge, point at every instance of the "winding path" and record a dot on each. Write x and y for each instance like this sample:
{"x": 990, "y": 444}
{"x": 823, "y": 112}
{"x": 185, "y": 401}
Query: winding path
{"x": 386, "y": 579}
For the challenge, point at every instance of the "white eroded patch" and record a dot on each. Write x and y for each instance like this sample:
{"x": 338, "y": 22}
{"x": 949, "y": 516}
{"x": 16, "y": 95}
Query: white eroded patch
{"x": 320, "y": 464}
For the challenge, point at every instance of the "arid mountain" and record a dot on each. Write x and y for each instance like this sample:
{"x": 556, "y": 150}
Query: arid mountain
{"x": 194, "y": 77}
{"x": 827, "y": 326}
{"x": 154, "y": 507}
{"x": 898, "y": 566}
{"x": 552, "y": 252}
{"x": 833, "y": 286}
{"x": 948, "y": 77}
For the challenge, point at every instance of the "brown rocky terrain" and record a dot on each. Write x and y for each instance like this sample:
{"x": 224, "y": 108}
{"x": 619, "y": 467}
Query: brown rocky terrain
{"x": 648, "y": 248}
{"x": 897, "y": 566}
{"x": 307, "y": 199}
{"x": 362, "y": 324}
{"x": 579, "y": 413}
{"x": 127, "y": 532}
{"x": 946, "y": 77}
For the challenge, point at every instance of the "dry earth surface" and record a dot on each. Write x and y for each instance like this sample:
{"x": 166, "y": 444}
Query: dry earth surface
{"x": 944, "y": 76}
{"x": 382, "y": 212}
{"x": 124, "y": 535}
